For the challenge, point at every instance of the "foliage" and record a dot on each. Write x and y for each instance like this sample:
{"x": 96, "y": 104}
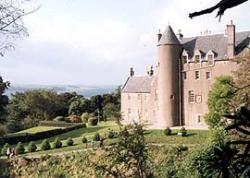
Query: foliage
{"x": 32, "y": 147}
{"x": 96, "y": 137}
{"x": 85, "y": 117}
{"x": 74, "y": 119}
{"x": 182, "y": 131}
{"x": 111, "y": 134}
{"x": 45, "y": 145}
{"x": 93, "y": 121}
{"x": 20, "y": 148}
{"x": 167, "y": 131}
{"x": 3, "y": 98}
{"x": 69, "y": 142}
{"x": 84, "y": 139}
{"x": 57, "y": 143}
{"x": 3, "y": 130}
{"x": 218, "y": 100}
{"x": 78, "y": 105}
{"x": 128, "y": 157}
{"x": 5, "y": 148}
{"x": 242, "y": 82}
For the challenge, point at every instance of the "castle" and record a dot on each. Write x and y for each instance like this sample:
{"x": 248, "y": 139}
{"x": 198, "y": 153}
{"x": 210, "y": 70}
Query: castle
{"x": 175, "y": 93}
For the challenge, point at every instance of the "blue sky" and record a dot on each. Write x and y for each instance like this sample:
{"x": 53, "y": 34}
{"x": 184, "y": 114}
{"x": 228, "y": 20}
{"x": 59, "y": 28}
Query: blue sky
{"x": 95, "y": 42}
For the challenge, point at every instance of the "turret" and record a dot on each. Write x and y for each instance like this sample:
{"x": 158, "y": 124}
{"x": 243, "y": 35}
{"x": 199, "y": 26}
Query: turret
{"x": 169, "y": 50}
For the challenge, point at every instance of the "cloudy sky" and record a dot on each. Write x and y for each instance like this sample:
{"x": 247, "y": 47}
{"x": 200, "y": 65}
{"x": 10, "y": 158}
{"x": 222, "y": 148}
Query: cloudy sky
{"x": 94, "y": 42}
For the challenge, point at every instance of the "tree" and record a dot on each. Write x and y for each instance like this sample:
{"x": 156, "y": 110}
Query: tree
{"x": 3, "y": 99}
{"x": 11, "y": 24}
{"x": 223, "y": 5}
{"x": 78, "y": 106}
{"x": 128, "y": 157}
{"x": 242, "y": 82}
{"x": 218, "y": 100}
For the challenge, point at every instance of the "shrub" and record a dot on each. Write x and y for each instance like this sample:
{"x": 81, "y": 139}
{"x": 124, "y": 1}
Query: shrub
{"x": 59, "y": 118}
{"x": 45, "y": 145}
{"x": 74, "y": 119}
{"x": 85, "y": 117}
{"x": 167, "y": 131}
{"x": 20, "y": 148}
{"x": 96, "y": 137}
{"x": 84, "y": 125}
{"x": 57, "y": 143}
{"x": 32, "y": 147}
{"x": 111, "y": 134}
{"x": 93, "y": 121}
{"x": 3, "y": 130}
{"x": 5, "y": 148}
{"x": 70, "y": 142}
{"x": 182, "y": 131}
{"x": 84, "y": 139}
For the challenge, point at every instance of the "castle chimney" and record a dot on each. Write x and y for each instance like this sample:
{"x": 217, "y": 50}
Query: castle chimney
{"x": 230, "y": 33}
{"x": 179, "y": 35}
{"x": 132, "y": 72}
{"x": 159, "y": 35}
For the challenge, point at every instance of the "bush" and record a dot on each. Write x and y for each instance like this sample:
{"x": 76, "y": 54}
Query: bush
{"x": 74, "y": 119}
{"x": 167, "y": 131}
{"x": 111, "y": 134}
{"x": 182, "y": 131}
{"x": 84, "y": 139}
{"x": 93, "y": 121}
{"x": 57, "y": 143}
{"x": 45, "y": 145}
{"x": 96, "y": 137}
{"x": 5, "y": 148}
{"x": 32, "y": 147}
{"x": 3, "y": 130}
{"x": 85, "y": 117}
{"x": 20, "y": 148}
{"x": 59, "y": 118}
{"x": 70, "y": 142}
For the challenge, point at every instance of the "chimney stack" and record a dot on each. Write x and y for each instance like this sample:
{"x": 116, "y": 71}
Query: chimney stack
{"x": 159, "y": 35}
{"x": 230, "y": 33}
{"x": 132, "y": 72}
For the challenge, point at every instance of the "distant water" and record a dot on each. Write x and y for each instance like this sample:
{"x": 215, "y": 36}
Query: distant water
{"x": 86, "y": 91}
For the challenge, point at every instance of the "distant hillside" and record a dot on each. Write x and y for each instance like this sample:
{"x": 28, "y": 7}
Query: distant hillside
{"x": 86, "y": 91}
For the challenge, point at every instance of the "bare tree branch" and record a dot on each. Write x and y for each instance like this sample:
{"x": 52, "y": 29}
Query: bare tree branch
{"x": 223, "y": 5}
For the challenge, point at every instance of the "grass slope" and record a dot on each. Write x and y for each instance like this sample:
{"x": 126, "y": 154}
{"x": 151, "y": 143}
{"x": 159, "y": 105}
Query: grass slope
{"x": 38, "y": 129}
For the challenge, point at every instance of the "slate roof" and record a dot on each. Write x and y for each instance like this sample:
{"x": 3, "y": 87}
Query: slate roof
{"x": 138, "y": 84}
{"x": 216, "y": 43}
{"x": 169, "y": 37}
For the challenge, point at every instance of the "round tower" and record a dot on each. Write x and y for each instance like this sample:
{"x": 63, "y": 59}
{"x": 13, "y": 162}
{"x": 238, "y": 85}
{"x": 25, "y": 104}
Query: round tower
{"x": 169, "y": 50}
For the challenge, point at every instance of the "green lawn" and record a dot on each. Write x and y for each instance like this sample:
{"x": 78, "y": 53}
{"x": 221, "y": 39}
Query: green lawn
{"x": 152, "y": 136}
{"x": 38, "y": 129}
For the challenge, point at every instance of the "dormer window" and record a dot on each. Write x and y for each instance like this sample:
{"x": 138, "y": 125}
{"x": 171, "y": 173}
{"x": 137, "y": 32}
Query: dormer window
{"x": 197, "y": 55}
{"x": 184, "y": 57}
{"x": 210, "y": 57}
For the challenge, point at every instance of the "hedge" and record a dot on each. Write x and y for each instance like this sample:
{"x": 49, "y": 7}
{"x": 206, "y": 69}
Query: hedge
{"x": 56, "y": 124}
{"x": 27, "y": 137}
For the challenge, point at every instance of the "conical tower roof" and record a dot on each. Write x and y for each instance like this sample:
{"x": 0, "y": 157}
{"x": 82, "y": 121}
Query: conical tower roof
{"x": 169, "y": 37}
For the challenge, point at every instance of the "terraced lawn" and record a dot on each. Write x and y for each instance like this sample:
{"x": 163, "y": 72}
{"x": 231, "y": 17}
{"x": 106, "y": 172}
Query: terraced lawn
{"x": 38, "y": 129}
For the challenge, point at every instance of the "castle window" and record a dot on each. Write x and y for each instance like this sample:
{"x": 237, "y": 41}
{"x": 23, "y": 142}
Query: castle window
{"x": 191, "y": 97}
{"x": 199, "y": 118}
{"x": 184, "y": 59}
{"x": 129, "y": 97}
{"x": 210, "y": 57}
{"x": 184, "y": 75}
{"x": 208, "y": 75}
{"x": 129, "y": 111}
{"x": 197, "y": 75}
{"x": 197, "y": 57}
